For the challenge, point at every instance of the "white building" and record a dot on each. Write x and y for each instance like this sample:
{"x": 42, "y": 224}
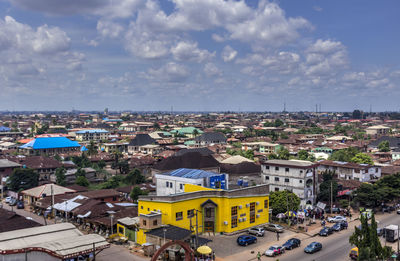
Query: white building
{"x": 174, "y": 182}
{"x": 297, "y": 176}
{"x": 348, "y": 170}
{"x": 91, "y": 135}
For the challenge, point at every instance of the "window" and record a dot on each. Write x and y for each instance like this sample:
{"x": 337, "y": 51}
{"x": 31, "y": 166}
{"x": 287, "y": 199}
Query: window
{"x": 276, "y": 178}
{"x": 266, "y": 167}
{"x": 266, "y": 177}
{"x": 208, "y": 212}
{"x": 180, "y": 186}
{"x": 179, "y": 215}
{"x": 167, "y": 184}
{"x": 141, "y": 207}
{"x": 170, "y": 184}
{"x": 266, "y": 203}
{"x": 148, "y": 209}
{"x": 276, "y": 189}
{"x": 376, "y": 170}
{"x": 276, "y": 168}
{"x": 252, "y": 212}
{"x": 155, "y": 222}
{"x": 234, "y": 211}
{"x": 301, "y": 172}
{"x": 190, "y": 213}
{"x": 234, "y": 218}
{"x": 286, "y": 180}
{"x": 300, "y": 181}
{"x": 287, "y": 169}
{"x": 144, "y": 222}
{"x": 252, "y": 206}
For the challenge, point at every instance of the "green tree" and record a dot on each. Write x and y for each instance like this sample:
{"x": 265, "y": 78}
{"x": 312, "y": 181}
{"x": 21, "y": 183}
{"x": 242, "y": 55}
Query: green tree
{"x": 278, "y": 123}
{"x": 80, "y": 173}
{"x": 113, "y": 182}
{"x": 60, "y": 176}
{"x": 136, "y": 192}
{"x": 280, "y": 201}
{"x": 22, "y": 179}
{"x": 123, "y": 166}
{"x": 195, "y": 132}
{"x": 101, "y": 164}
{"x": 92, "y": 148}
{"x": 135, "y": 177}
{"x": 344, "y": 155}
{"x": 57, "y": 157}
{"x": 156, "y": 126}
{"x": 384, "y": 146}
{"x": 82, "y": 181}
{"x": 325, "y": 188}
{"x": 302, "y": 155}
{"x": 283, "y": 154}
{"x": 362, "y": 158}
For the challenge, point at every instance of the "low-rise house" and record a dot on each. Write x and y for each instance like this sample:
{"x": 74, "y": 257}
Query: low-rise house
{"x": 261, "y": 146}
{"x": 209, "y": 138}
{"x": 190, "y": 132}
{"x": 7, "y": 167}
{"x": 10, "y": 221}
{"x": 297, "y": 176}
{"x": 47, "y": 190}
{"x": 139, "y": 143}
{"x": 351, "y": 171}
{"x": 49, "y": 146}
{"x": 113, "y": 147}
{"x": 377, "y": 130}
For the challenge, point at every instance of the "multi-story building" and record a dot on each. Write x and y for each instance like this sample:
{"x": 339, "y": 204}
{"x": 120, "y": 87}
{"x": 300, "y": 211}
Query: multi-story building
{"x": 217, "y": 211}
{"x": 49, "y": 146}
{"x": 351, "y": 171}
{"x": 174, "y": 182}
{"x": 297, "y": 176}
{"x": 92, "y": 135}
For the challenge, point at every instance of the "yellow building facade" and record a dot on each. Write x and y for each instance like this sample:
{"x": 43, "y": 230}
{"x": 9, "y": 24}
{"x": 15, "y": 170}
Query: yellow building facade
{"x": 217, "y": 211}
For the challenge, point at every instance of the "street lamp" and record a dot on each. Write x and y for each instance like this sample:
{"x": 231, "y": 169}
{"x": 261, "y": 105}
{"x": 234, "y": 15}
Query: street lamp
{"x": 164, "y": 230}
{"x": 112, "y": 216}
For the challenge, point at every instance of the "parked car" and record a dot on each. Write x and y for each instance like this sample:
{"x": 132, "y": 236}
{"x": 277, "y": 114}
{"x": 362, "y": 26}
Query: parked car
{"x": 13, "y": 202}
{"x": 388, "y": 209}
{"x": 398, "y": 212}
{"x": 245, "y": 240}
{"x": 8, "y": 200}
{"x": 274, "y": 228}
{"x": 334, "y": 210}
{"x": 292, "y": 243}
{"x": 337, "y": 227}
{"x": 380, "y": 231}
{"x": 20, "y": 205}
{"x": 313, "y": 247}
{"x": 326, "y": 231}
{"x": 344, "y": 224}
{"x": 257, "y": 231}
{"x": 274, "y": 251}
{"x": 336, "y": 219}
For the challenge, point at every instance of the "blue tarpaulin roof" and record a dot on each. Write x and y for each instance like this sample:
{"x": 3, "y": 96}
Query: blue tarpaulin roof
{"x": 50, "y": 143}
{"x": 84, "y": 148}
{"x": 4, "y": 128}
{"x": 191, "y": 173}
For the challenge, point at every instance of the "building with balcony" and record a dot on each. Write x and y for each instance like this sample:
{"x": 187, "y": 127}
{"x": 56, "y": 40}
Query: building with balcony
{"x": 91, "y": 135}
{"x": 297, "y": 176}
{"x": 350, "y": 171}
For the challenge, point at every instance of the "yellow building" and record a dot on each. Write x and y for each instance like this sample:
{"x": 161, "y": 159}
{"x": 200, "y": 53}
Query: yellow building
{"x": 217, "y": 210}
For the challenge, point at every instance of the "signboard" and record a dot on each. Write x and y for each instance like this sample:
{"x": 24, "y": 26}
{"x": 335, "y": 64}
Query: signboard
{"x": 321, "y": 205}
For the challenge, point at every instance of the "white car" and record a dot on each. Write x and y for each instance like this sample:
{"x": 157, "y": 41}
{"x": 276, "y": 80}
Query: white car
{"x": 274, "y": 251}
{"x": 8, "y": 200}
{"x": 336, "y": 219}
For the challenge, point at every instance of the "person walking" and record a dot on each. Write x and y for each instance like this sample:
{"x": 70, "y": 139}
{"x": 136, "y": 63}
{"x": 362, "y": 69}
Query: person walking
{"x": 259, "y": 256}
{"x": 277, "y": 236}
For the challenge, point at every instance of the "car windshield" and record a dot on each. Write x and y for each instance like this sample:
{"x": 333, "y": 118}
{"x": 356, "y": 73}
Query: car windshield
{"x": 272, "y": 248}
{"x": 279, "y": 226}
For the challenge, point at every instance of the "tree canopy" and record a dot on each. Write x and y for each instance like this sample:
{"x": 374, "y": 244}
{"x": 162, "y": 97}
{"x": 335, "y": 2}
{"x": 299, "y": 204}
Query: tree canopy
{"x": 22, "y": 179}
{"x": 280, "y": 201}
{"x": 136, "y": 192}
{"x": 384, "y": 146}
{"x": 325, "y": 188}
{"x": 60, "y": 176}
{"x": 82, "y": 181}
{"x": 345, "y": 155}
{"x": 362, "y": 158}
{"x": 135, "y": 177}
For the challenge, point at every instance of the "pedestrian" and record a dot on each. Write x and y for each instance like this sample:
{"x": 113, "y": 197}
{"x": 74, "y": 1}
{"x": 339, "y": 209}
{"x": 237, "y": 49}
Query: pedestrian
{"x": 213, "y": 256}
{"x": 277, "y": 236}
{"x": 258, "y": 256}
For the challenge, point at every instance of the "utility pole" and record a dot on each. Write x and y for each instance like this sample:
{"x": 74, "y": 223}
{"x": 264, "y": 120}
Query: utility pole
{"x": 2, "y": 188}
{"x": 331, "y": 195}
{"x": 52, "y": 204}
{"x": 197, "y": 230}
{"x": 287, "y": 207}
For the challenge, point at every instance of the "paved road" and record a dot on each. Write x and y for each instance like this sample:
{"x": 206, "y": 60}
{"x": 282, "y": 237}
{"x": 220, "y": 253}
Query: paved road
{"x": 336, "y": 246}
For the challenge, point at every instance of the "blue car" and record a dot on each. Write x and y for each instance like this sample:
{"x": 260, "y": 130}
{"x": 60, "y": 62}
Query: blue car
{"x": 313, "y": 247}
{"x": 292, "y": 243}
{"x": 245, "y": 240}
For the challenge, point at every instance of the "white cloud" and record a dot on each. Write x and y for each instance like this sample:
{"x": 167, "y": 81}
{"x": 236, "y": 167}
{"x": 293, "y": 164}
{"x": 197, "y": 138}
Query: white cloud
{"x": 109, "y": 28}
{"x": 211, "y": 70}
{"x": 228, "y": 53}
{"x": 217, "y": 38}
{"x": 171, "y": 72}
{"x": 188, "y": 51}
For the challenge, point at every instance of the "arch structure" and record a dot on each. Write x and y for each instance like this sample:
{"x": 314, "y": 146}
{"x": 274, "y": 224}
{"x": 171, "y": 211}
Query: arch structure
{"x": 189, "y": 254}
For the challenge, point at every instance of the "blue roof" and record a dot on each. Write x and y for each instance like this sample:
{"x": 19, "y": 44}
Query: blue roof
{"x": 84, "y": 148}
{"x": 92, "y": 131}
{"x": 112, "y": 120}
{"x": 3, "y": 129}
{"x": 191, "y": 173}
{"x": 50, "y": 143}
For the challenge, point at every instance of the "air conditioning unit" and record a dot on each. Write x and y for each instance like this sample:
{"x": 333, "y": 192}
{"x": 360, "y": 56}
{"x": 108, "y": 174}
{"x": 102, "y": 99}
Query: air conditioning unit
{"x": 240, "y": 219}
{"x": 257, "y": 203}
{"x": 244, "y": 219}
{"x": 247, "y": 205}
{"x": 225, "y": 223}
{"x": 240, "y": 207}
{"x": 258, "y": 215}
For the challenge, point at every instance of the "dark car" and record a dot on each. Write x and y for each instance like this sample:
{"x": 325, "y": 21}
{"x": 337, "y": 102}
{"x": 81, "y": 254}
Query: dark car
{"x": 245, "y": 240}
{"x": 334, "y": 210}
{"x": 380, "y": 231}
{"x": 292, "y": 243}
{"x": 388, "y": 209}
{"x": 344, "y": 224}
{"x": 326, "y": 231}
{"x": 313, "y": 247}
{"x": 20, "y": 205}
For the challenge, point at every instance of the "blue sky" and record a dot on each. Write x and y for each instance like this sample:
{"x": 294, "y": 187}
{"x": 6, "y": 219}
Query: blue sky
{"x": 199, "y": 55}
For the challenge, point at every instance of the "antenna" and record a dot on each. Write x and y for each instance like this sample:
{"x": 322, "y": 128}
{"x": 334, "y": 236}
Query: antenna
{"x": 284, "y": 106}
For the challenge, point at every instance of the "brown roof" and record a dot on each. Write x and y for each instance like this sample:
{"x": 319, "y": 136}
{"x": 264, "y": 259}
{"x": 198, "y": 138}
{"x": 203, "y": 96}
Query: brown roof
{"x": 10, "y": 221}
{"x": 190, "y": 160}
{"x": 78, "y": 188}
{"x": 243, "y": 168}
{"x": 349, "y": 165}
{"x": 37, "y": 162}
{"x": 140, "y": 161}
{"x": 101, "y": 193}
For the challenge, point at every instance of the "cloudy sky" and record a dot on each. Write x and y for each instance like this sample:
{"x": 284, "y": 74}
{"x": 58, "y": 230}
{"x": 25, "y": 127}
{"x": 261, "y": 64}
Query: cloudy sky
{"x": 199, "y": 55}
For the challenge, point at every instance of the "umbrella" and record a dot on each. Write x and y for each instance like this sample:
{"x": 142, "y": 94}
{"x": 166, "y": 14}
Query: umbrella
{"x": 301, "y": 214}
{"x": 204, "y": 250}
{"x": 280, "y": 215}
{"x": 291, "y": 214}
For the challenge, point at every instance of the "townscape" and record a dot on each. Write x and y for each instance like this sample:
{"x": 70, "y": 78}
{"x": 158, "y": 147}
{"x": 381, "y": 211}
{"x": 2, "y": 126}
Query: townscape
{"x": 199, "y": 130}
{"x": 134, "y": 184}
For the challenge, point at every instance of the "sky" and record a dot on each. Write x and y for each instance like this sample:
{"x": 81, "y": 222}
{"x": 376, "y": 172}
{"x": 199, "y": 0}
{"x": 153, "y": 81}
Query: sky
{"x": 199, "y": 55}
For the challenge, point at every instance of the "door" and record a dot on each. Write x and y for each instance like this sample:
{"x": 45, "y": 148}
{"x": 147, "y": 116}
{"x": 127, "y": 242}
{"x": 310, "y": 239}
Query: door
{"x": 209, "y": 226}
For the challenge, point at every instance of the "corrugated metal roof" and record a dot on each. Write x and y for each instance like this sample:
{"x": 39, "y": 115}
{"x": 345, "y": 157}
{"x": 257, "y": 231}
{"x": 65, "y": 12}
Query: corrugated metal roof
{"x": 191, "y": 173}
{"x": 91, "y": 131}
{"x": 50, "y": 143}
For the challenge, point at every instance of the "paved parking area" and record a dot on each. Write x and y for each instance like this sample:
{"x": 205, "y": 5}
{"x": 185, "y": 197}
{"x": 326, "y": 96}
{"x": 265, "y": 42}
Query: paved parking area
{"x": 226, "y": 245}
